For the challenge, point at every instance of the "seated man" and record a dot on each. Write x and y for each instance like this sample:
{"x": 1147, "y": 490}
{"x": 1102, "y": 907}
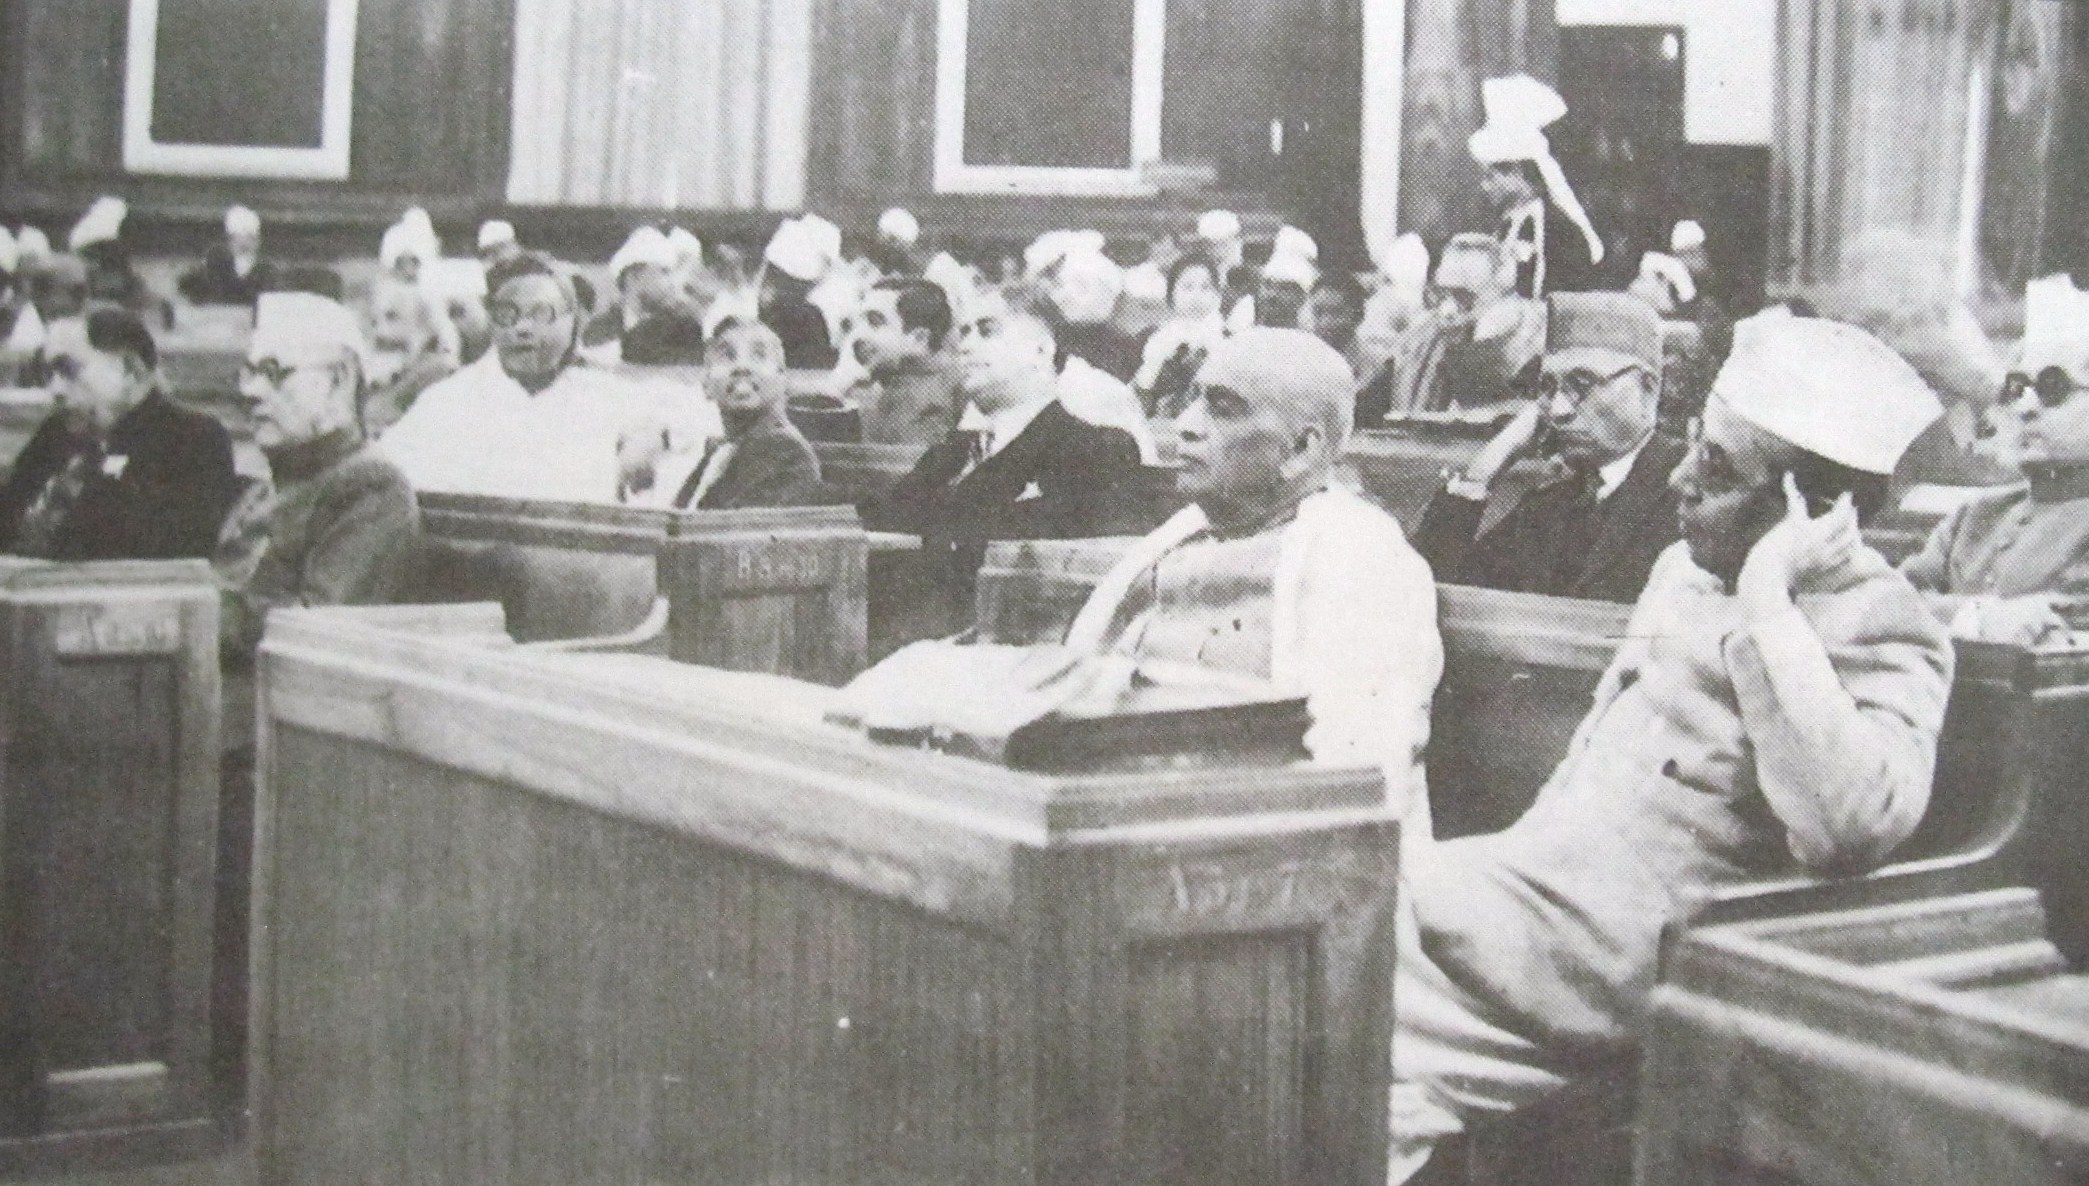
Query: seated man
{"x": 645, "y": 270}
{"x": 1466, "y": 349}
{"x": 1275, "y": 573}
{"x": 901, "y": 336}
{"x": 1035, "y": 471}
{"x": 531, "y": 419}
{"x": 233, "y": 271}
{"x": 116, "y": 471}
{"x": 1594, "y": 529}
{"x": 2003, "y": 562}
{"x": 762, "y": 461}
{"x": 1774, "y": 710}
{"x": 336, "y": 525}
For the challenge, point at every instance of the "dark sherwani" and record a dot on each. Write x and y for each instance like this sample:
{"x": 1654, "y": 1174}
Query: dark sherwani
{"x": 1558, "y": 539}
{"x": 157, "y": 489}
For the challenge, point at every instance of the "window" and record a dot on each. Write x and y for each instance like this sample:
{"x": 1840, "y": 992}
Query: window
{"x": 215, "y": 88}
{"x": 1061, "y": 98}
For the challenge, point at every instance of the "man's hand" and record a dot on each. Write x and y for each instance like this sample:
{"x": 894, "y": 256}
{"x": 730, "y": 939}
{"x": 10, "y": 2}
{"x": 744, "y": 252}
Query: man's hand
{"x": 638, "y": 456}
{"x": 1798, "y": 547}
{"x": 2019, "y": 621}
{"x": 1516, "y": 440}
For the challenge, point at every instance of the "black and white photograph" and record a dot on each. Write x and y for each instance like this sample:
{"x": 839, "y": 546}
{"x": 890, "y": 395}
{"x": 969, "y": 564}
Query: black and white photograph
{"x": 1044, "y": 592}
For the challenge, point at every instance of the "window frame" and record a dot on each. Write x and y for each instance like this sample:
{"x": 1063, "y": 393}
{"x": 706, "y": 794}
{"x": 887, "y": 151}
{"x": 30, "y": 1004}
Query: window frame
{"x": 328, "y": 162}
{"x": 954, "y": 176}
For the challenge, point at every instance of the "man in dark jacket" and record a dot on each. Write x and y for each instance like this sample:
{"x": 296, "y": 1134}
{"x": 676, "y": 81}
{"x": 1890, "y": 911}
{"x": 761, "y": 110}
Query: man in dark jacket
{"x": 117, "y": 472}
{"x": 1035, "y": 472}
{"x": 1595, "y": 525}
{"x": 762, "y": 461}
{"x": 233, "y": 271}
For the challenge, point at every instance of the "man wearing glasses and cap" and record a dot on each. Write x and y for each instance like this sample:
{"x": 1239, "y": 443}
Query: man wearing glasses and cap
{"x": 335, "y": 526}
{"x": 1772, "y": 712}
{"x": 2003, "y": 564}
{"x": 1595, "y": 528}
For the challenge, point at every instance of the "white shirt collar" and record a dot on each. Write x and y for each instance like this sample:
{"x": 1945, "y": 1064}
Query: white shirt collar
{"x": 1612, "y": 475}
{"x": 1008, "y": 423}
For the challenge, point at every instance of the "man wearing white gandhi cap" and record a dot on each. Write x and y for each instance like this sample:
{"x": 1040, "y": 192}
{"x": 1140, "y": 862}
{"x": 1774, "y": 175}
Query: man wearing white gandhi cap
{"x": 336, "y": 525}
{"x": 1773, "y": 711}
{"x": 1527, "y": 188}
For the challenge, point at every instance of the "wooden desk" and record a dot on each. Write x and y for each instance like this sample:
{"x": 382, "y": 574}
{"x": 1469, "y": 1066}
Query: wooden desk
{"x": 778, "y": 589}
{"x": 567, "y": 918}
{"x": 561, "y": 570}
{"x": 1939, "y": 1041}
{"x": 109, "y": 768}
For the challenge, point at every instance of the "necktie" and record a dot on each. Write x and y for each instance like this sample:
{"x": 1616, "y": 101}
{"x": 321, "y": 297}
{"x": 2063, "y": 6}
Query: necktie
{"x": 1577, "y": 535}
{"x": 976, "y": 450}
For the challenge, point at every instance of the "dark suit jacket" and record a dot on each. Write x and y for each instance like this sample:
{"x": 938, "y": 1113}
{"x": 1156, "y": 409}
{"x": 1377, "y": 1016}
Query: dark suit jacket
{"x": 773, "y": 466}
{"x": 1061, "y": 478}
{"x": 1535, "y": 548}
{"x": 213, "y": 282}
{"x": 176, "y": 485}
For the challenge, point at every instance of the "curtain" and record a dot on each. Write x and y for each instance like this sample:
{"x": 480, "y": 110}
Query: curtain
{"x": 661, "y": 104}
{"x": 1881, "y": 120}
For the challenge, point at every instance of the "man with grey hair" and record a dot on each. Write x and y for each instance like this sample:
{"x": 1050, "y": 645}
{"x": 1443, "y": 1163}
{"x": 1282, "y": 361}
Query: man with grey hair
{"x": 1277, "y": 573}
{"x": 1468, "y": 347}
{"x": 336, "y": 524}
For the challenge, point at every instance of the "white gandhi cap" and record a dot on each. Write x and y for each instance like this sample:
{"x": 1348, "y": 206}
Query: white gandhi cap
{"x": 1828, "y": 388}
{"x": 303, "y": 324}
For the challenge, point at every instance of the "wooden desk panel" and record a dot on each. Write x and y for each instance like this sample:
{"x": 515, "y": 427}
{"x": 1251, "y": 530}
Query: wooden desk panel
{"x": 561, "y": 920}
{"x": 109, "y": 736}
{"x": 1941, "y": 1041}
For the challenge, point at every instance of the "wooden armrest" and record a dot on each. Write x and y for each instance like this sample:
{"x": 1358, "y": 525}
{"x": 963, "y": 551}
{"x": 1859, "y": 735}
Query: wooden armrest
{"x": 649, "y": 635}
{"x": 892, "y": 541}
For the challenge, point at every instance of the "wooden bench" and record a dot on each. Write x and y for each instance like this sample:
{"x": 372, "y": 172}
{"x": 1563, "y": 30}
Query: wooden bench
{"x": 582, "y": 918}
{"x": 109, "y": 791}
{"x": 780, "y": 589}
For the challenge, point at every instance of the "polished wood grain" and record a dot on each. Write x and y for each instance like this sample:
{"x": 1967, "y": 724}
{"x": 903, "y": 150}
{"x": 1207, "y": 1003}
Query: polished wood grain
{"x": 109, "y": 752}
{"x": 1938, "y": 1041}
{"x": 783, "y": 591}
{"x": 564, "y": 918}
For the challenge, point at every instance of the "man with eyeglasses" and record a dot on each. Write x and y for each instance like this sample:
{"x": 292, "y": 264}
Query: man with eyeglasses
{"x": 1467, "y": 347}
{"x": 1594, "y": 527}
{"x": 335, "y": 523}
{"x": 1772, "y": 712}
{"x": 530, "y": 419}
{"x": 116, "y": 471}
{"x": 2005, "y": 564}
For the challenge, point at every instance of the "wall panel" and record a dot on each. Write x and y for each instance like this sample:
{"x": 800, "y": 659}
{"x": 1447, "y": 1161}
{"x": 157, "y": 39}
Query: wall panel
{"x": 430, "y": 116}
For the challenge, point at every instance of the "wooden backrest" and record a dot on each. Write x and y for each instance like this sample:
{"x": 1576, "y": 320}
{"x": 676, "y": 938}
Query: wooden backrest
{"x": 780, "y": 591}
{"x": 860, "y": 472}
{"x": 1519, "y": 674}
{"x": 561, "y": 570}
{"x": 109, "y": 785}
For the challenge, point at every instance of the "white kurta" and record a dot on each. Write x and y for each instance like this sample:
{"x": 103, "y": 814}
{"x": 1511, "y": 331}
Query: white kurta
{"x": 1352, "y": 627}
{"x": 480, "y": 432}
{"x": 1718, "y": 751}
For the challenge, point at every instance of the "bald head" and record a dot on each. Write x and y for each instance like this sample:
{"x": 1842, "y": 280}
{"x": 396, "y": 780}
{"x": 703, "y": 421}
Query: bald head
{"x": 1303, "y": 379}
{"x": 1272, "y": 408}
